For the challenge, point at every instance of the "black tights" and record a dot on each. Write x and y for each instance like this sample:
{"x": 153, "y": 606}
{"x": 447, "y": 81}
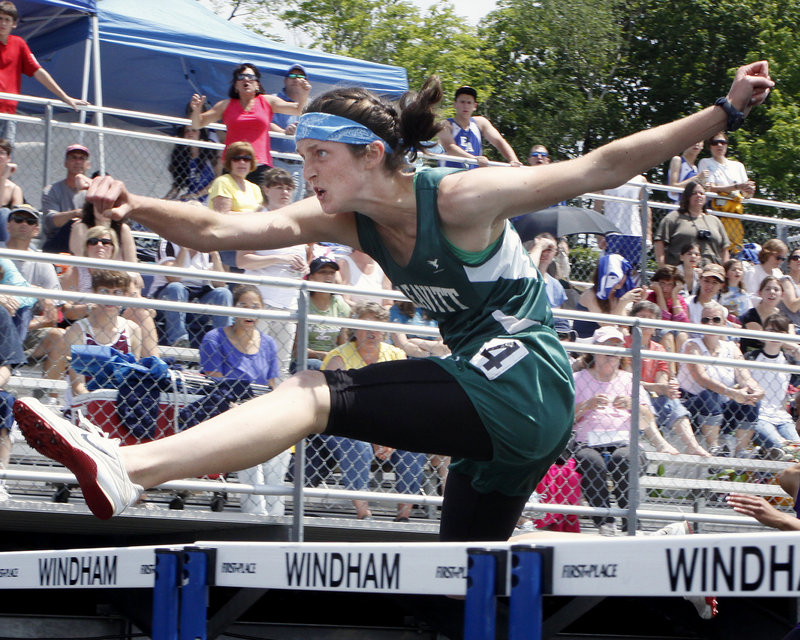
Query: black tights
{"x": 415, "y": 405}
{"x": 468, "y": 514}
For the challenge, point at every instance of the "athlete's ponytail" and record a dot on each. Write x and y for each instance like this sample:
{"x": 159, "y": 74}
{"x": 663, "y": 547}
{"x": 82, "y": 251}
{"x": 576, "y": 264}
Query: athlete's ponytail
{"x": 404, "y": 132}
{"x": 418, "y": 120}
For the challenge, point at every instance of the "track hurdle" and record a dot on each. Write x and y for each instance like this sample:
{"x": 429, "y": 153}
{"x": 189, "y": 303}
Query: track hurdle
{"x": 731, "y": 565}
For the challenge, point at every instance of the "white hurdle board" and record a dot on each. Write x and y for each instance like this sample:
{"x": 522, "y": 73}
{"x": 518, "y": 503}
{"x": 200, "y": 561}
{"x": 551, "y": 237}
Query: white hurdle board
{"x": 765, "y": 564}
{"x": 430, "y": 568}
{"x": 101, "y": 568}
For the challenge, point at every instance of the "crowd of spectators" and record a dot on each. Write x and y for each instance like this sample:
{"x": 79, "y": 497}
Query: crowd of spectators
{"x": 701, "y": 275}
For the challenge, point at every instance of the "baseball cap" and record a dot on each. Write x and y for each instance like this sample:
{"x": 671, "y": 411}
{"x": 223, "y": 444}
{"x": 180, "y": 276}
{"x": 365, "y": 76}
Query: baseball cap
{"x": 293, "y": 67}
{"x": 76, "y": 147}
{"x": 468, "y": 91}
{"x": 26, "y": 209}
{"x": 604, "y": 334}
{"x": 319, "y": 263}
{"x": 715, "y": 271}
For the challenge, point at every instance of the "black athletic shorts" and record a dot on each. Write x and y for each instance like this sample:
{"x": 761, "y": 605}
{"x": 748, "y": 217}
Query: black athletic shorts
{"x": 413, "y": 405}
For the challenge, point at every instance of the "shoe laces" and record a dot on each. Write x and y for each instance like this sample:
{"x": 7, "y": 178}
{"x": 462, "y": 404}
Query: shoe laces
{"x": 90, "y": 427}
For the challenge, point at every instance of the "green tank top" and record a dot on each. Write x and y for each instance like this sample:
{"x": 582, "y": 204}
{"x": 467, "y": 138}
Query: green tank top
{"x": 502, "y": 295}
{"x": 495, "y": 318}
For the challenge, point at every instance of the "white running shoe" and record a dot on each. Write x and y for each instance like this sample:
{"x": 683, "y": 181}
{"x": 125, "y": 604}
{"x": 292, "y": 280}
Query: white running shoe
{"x": 681, "y": 528}
{"x": 94, "y": 459}
{"x": 607, "y": 529}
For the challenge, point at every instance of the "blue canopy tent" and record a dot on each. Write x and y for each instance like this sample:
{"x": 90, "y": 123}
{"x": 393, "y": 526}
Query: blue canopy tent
{"x": 154, "y": 54}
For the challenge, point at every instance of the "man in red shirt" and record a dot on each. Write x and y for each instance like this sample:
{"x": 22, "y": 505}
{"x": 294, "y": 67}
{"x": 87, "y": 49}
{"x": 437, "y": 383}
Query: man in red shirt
{"x": 15, "y": 59}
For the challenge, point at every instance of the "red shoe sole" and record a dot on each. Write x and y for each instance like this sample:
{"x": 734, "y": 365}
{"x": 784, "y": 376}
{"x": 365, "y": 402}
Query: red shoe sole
{"x": 49, "y": 442}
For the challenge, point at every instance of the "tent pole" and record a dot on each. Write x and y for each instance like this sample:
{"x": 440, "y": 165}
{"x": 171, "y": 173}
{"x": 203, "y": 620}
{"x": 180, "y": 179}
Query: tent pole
{"x": 98, "y": 91}
{"x": 87, "y": 62}
{"x": 48, "y": 131}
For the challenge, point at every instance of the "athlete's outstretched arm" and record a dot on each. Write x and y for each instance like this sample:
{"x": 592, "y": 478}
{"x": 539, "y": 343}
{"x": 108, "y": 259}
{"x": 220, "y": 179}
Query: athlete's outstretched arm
{"x": 502, "y": 194}
{"x": 203, "y": 229}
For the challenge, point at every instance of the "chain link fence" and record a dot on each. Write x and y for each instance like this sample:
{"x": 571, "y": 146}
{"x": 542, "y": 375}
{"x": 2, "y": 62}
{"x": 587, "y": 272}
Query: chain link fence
{"x": 139, "y": 399}
{"x": 762, "y": 220}
{"x": 709, "y": 444}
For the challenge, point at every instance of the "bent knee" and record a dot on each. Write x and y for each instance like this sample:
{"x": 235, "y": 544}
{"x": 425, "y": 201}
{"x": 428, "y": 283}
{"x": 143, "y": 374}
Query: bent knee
{"x": 306, "y": 379}
{"x": 309, "y": 390}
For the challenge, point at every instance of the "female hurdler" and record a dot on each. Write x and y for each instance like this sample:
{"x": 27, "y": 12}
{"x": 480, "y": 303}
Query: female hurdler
{"x": 501, "y": 405}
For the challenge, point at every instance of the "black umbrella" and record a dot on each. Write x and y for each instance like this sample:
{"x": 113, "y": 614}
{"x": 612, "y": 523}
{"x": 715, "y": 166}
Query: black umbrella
{"x": 562, "y": 221}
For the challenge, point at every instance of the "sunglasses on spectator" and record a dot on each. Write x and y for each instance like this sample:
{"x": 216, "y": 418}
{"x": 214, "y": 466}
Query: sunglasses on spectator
{"x": 714, "y": 143}
{"x": 106, "y": 242}
{"x": 23, "y": 218}
{"x": 780, "y": 258}
{"x": 538, "y": 154}
{"x": 795, "y": 258}
{"x": 245, "y": 76}
{"x": 103, "y": 291}
{"x": 296, "y": 75}
{"x": 714, "y": 320}
{"x": 242, "y": 159}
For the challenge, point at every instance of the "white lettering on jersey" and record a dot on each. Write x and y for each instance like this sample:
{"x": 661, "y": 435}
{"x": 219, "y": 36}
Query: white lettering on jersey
{"x": 437, "y": 299}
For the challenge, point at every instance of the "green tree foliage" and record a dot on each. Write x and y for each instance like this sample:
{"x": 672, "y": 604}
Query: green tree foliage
{"x": 395, "y": 32}
{"x": 574, "y": 74}
{"x": 682, "y": 53}
{"x": 256, "y": 15}
{"x": 769, "y": 143}
{"x": 686, "y": 51}
{"x": 557, "y": 75}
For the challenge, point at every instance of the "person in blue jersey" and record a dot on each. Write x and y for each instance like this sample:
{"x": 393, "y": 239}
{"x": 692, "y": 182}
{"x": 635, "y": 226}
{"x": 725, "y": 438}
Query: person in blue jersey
{"x": 464, "y": 134}
{"x": 501, "y": 405}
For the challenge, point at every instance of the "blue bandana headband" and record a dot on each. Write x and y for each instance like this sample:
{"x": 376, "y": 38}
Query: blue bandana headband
{"x": 330, "y": 128}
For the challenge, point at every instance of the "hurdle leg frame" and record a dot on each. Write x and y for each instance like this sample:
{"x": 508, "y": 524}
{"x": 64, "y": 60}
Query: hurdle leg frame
{"x": 531, "y": 578}
{"x": 486, "y": 580}
{"x": 166, "y": 593}
{"x": 198, "y": 567}
{"x": 180, "y": 593}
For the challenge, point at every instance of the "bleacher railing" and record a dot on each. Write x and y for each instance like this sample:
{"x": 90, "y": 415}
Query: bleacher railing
{"x": 650, "y": 508}
{"x": 140, "y": 157}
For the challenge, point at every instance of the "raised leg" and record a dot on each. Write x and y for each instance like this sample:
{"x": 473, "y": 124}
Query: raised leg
{"x": 111, "y": 477}
{"x": 237, "y": 439}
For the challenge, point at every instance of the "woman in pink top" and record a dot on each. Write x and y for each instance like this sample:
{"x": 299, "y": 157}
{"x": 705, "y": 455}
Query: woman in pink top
{"x": 602, "y": 429}
{"x": 247, "y": 113}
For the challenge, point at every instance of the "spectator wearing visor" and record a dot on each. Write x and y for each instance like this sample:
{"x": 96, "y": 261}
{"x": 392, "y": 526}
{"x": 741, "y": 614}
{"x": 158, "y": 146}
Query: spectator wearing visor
{"x": 322, "y": 337}
{"x": 294, "y": 83}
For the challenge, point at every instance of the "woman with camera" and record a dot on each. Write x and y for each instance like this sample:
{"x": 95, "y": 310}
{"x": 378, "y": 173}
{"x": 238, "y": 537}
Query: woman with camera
{"x": 691, "y": 223}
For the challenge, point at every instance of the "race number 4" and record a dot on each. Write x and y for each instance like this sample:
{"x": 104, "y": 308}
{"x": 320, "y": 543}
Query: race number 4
{"x": 497, "y": 356}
